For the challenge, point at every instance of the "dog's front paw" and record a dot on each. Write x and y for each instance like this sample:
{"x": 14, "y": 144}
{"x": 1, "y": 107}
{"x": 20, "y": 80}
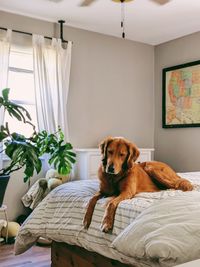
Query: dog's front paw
{"x": 106, "y": 225}
{"x": 86, "y": 222}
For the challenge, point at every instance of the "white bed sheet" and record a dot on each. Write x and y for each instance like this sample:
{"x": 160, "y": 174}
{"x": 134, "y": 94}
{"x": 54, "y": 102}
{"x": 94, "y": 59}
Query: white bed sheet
{"x": 59, "y": 217}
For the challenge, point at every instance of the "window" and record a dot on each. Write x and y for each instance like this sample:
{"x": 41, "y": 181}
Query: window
{"x": 21, "y": 84}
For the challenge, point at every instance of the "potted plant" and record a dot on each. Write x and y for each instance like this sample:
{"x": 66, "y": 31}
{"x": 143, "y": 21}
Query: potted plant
{"x": 25, "y": 152}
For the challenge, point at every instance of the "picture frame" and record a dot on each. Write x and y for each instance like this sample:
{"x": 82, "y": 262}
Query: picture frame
{"x": 181, "y": 95}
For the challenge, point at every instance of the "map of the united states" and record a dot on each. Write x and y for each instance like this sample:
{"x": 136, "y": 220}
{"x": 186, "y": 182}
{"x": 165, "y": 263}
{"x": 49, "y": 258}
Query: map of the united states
{"x": 183, "y": 96}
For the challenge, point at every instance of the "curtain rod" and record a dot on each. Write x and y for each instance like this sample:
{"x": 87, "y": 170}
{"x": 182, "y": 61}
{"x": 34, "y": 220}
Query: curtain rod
{"x": 47, "y": 37}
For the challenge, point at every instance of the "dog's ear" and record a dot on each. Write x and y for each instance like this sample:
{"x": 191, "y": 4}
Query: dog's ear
{"x": 103, "y": 147}
{"x": 133, "y": 154}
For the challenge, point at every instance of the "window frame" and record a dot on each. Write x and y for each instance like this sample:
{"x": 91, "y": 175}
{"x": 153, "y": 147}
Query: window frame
{"x": 17, "y": 101}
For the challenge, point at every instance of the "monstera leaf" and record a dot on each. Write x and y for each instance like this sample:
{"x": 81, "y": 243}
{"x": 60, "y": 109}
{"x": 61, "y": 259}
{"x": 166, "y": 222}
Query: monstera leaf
{"x": 14, "y": 110}
{"x": 63, "y": 158}
{"x": 22, "y": 153}
{"x": 60, "y": 153}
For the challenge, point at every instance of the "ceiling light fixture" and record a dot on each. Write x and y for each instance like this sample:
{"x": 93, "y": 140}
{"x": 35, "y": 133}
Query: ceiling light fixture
{"x": 122, "y": 15}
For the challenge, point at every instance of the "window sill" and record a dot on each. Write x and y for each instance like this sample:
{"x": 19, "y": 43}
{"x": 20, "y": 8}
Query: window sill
{"x": 6, "y": 158}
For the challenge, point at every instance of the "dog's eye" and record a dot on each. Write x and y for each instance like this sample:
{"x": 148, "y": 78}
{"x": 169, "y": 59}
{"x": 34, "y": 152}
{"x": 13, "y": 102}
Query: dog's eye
{"x": 110, "y": 152}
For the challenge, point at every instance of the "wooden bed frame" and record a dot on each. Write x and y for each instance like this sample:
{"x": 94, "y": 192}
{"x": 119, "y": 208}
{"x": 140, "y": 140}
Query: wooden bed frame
{"x": 64, "y": 255}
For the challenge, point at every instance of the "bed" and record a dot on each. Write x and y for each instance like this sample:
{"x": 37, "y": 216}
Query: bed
{"x": 152, "y": 229}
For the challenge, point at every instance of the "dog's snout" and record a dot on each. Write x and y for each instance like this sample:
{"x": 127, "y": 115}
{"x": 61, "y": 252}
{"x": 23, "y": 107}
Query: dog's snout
{"x": 111, "y": 168}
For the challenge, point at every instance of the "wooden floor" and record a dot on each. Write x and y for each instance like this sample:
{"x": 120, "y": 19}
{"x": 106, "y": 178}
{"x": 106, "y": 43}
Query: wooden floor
{"x": 34, "y": 257}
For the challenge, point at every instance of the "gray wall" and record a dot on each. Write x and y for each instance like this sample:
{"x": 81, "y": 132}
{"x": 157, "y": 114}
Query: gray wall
{"x": 178, "y": 147}
{"x": 111, "y": 89}
{"x": 111, "y": 84}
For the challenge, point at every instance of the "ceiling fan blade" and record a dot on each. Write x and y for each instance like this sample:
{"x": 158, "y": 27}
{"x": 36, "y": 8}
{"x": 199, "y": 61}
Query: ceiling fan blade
{"x": 87, "y": 2}
{"x": 55, "y": 1}
{"x": 161, "y": 2}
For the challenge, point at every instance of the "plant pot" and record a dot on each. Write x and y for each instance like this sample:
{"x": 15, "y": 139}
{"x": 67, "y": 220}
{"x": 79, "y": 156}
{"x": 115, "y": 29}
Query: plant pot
{"x": 3, "y": 184}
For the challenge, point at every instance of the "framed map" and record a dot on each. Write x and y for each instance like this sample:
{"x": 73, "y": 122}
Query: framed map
{"x": 181, "y": 96}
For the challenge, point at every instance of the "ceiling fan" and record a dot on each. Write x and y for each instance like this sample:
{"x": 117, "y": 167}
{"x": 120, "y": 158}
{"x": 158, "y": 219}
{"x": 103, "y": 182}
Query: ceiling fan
{"x": 55, "y": 1}
{"x": 89, "y": 2}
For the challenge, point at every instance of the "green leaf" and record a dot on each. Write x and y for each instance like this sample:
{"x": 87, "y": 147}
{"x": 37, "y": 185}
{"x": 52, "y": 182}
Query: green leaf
{"x": 26, "y": 179}
{"x": 14, "y": 110}
{"x": 71, "y": 153}
{"x": 29, "y": 169}
{"x": 71, "y": 159}
{"x": 68, "y": 146}
{"x": 17, "y": 154}
{"x": 15, "y": 114}
{"x": 38, "y": 166}
{"x": 5, "y": 93}
{"x": 19, "y": 137}
{"x": 3, "y": 135}
{"x": 21, "y": 109}
{"x": 10, "y": 148}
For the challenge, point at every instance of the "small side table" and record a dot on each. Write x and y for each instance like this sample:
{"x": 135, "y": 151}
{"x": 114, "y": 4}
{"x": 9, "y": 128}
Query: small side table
{"x": 3, "y": 209}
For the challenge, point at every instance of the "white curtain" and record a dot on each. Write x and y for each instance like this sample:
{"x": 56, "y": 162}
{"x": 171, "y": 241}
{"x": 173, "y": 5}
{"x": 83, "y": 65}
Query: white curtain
{"x": 5, "y": 43}
{"x": 51, "y": 73}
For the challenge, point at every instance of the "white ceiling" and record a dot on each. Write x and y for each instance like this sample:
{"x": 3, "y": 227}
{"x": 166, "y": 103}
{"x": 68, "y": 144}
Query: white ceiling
{"x": 146, "y": 21}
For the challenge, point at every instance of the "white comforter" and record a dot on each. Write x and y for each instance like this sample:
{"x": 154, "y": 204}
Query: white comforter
{"x": 59, "y": 217}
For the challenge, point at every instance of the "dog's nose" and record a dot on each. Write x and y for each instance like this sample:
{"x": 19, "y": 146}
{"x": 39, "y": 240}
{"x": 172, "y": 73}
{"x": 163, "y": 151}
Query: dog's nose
{"x": 111, "y": 168}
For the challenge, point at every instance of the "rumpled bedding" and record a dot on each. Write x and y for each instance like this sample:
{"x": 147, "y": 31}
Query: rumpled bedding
{"x": 59, "y": 217}
{"x": 34, "y": 195}
{"x": 168, "y": 231}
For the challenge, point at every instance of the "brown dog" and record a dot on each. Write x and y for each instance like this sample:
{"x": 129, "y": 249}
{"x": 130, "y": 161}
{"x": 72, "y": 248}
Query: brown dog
{"x": 122, "y": 178}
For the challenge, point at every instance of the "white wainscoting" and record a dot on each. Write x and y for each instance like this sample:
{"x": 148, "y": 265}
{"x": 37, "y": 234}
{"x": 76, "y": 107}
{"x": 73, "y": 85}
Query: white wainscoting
{"x": 89, "y": 159}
